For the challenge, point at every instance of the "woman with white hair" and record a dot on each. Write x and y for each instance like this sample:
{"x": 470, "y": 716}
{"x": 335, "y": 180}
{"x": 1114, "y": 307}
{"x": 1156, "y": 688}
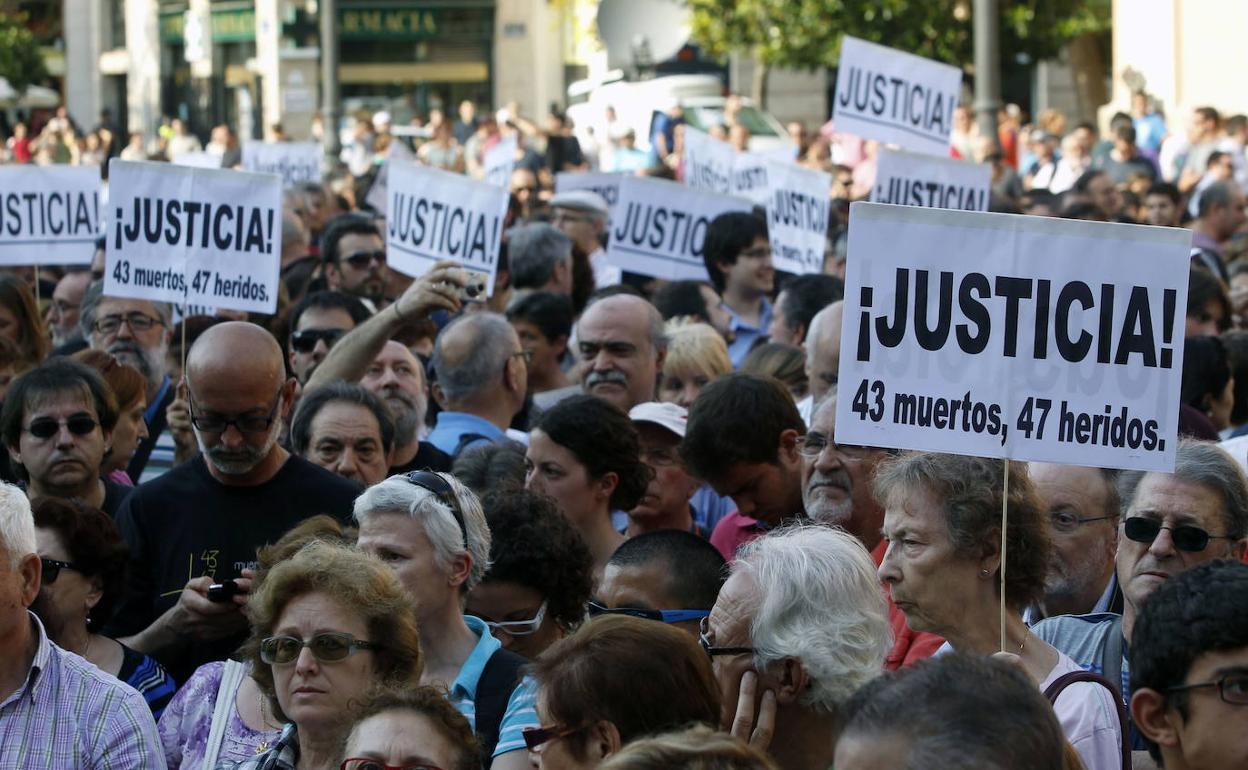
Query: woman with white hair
{"x": 802, "y": 621}
{"x": 431, "y": 530}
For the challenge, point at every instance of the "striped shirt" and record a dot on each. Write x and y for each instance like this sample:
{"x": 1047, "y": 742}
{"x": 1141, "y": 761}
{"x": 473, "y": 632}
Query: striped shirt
{"x": 70, "y": 715}
{"x": 521, "y": 707}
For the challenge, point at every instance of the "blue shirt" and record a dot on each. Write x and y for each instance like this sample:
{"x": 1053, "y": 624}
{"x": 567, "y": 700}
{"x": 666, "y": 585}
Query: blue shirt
{"x": 746, "y": 334}
{"x": 521, "y": 707}
{"x": 452, "y": 426}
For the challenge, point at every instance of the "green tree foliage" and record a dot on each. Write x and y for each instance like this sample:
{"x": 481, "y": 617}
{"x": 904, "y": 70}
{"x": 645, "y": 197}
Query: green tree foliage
{"x": 806, "y": 34}
{"x": 20, "y": 61}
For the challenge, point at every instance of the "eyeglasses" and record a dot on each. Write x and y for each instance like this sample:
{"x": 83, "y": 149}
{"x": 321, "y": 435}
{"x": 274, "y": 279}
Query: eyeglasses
{"x": 1232, "y": 688}
{"x": 757, "y": 253}
{"x": 663, "y": 616}
{"x": 361, "y": 259}
{"x": 305, "y": 341}
{"x": 1185, "y": 537}
{"x": 46, "y": 427}
{"x": 1067, "y": 521}
{"x": 52, "y": 569}
{"x": 216, "y": 424}
{"x": 536, "y": 737}
{"x": 711, "y": 650}
{"x": 520, "y": 627}
{"x": 441, "y": 489}
{"x": 374, "y": 764}
{"x": 527, "y": 355}
{"x": 138, "y": 322}
{"x": 813, "y": 444}
{"x": 660, "y": 457}
{"x": 329, "y": 647}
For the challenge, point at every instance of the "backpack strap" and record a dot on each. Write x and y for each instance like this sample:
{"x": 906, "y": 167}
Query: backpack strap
{"x": 466, "y": 439}
{"x": 1062, "y": 682}
{"x": 1111, "y": 658}
{"x": 498, "y": 680}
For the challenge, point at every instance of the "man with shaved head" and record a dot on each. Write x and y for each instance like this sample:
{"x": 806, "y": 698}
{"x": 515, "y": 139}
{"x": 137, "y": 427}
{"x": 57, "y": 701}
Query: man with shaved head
{"x": 621, "y": 339}
{"x": 823, "y": 356}
{"x": 201, "y": 523}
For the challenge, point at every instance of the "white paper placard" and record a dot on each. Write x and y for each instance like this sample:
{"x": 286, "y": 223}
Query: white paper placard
{"x": 798, "y": 208}
{"x": 658, "y": 227}
{"x": 911, "y": 179}
{"x": 749, "y": 177}
{"x": 1034, "y": 338}
{"x": 895, "y": 97}
{"x": 194, "y": 236}
{"x": 376, "y": 196}
{"x": 500, "y": 161}
{"x": 708, "y": 162}
{"x": 294, "y": 162}
{"x": 435, "y": 214}
{"x": 198, "y": 160}
{"x": 49, "y": 215}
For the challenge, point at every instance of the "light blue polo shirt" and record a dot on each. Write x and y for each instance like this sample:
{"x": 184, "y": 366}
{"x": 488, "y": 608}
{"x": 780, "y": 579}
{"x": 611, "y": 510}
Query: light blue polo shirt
{"x": 746, "y": 334}
{"x": 452, "y": 425}
{"x": 521, "y": 707}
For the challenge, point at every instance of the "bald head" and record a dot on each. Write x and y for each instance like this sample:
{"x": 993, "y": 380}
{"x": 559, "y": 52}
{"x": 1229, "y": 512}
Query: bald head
{"x": 823, "y": 349}
{"x": 235, "y": 355}
{"x": 470, "y": 354}
{"x": 621, "y": 337}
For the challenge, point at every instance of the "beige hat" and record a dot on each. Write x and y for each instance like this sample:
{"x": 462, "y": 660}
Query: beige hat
{"x": 670, "y": 416}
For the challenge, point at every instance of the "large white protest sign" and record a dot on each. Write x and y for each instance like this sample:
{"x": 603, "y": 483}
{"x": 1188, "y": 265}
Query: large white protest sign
{"x": 606, "y": 185}
{"x": 294, "y": 162}
{"x": 708, "y": 162}
{"x": 797, "y": 216}
{"x": 500, "y": 161}
{"x": 434, "y": 214}
{"x": 1025, "y": 337}
{"x": 49, "y": 215}
{"x": 910, "y": 179}
{"x": 896, "y": 97}
{"x": 198, "y": 160}
{"x": 194, "y": 236}
{"x": 658, "y": 227}
{"x": 749, "y": 177}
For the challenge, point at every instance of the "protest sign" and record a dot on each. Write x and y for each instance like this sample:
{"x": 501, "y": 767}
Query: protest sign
{"x": 1001, "y": 335}
{"x": 606, "y": 185}
{"x": 797, "y": 216}
{"x": 435, "y": 214}
{"x": 910, "y": 179}
{"x": 658, "y": 227}
{"x": 198, "y": 160}
{"x": 895, "y": 97}
{"x": 294, "y": 162}
{"x": 749, "y": 177}
{"x": 500, "y": 161}
{"x": 49, "y": 215}
{"x": 194, "y": 236}
{"x": 708, "y": 162}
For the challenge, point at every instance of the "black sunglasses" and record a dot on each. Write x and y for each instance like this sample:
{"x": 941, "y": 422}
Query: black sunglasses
{"x": 47, "y": 427}
{"x": 1186, "y": 537}
{"x": 360, "y": 259}
{"x": 305, "y": 341}
{"x": 441, "y": 489}
{"x": 52, "y": 569}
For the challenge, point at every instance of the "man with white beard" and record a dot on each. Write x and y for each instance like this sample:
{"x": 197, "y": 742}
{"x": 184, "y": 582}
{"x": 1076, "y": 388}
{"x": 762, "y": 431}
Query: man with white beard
{"x": 207, "y": 516}
{"x": 137, "y": 332}
{"x": 837, "y": 491}
{"x": 397, "y": 377}
{"x": 1083, "y": 506}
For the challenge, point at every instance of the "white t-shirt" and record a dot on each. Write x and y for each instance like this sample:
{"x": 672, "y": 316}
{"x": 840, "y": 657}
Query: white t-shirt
{"x": 1089, "y": 718}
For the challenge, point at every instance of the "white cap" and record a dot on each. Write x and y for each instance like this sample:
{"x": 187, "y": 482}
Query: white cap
{"x": 381, "y": 119}
{"x": 670, "y": 416}
{"x": 581, "y": 200}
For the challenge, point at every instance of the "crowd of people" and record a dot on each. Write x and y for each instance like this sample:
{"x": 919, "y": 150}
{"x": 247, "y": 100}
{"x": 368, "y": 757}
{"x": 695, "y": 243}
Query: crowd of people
{"x": 594, "y": 519}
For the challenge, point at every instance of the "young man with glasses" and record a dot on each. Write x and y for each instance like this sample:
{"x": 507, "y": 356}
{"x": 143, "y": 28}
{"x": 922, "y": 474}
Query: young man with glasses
{"x": 1083, "y": 515}
{"x": 355, "y": 258}
{"x": 1171, "y": 522}
{"x": 737, "y": 254}
{"x": 316, "y": 323}
{"x": 57, "y": 422}
{"x": 1189, "y": 669}
{"x": 201, "y": 523}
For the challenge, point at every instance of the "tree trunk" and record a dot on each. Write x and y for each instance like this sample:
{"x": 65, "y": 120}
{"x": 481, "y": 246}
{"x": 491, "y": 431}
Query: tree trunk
{"x": 1088, "y": 70}
{"x": 758, "y": 88}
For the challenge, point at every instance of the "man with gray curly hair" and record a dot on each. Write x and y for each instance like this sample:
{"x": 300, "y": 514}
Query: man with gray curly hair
{"x": 800, "y": 625}
{"x": 430, "y": 528}
{"x": 482, "y": 376}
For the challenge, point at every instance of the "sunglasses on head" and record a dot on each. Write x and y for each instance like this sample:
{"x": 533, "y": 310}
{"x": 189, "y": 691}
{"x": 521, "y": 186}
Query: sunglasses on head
{"x": 441, "y": 489}
{"x": 47, "y": 427}
{"x": 1185, "y": 536}
{"x": 305, "y": 341}
{"x": 360, "y": 259}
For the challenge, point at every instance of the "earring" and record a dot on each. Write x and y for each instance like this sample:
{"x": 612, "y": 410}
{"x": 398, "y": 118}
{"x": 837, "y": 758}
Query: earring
{"x": 984, "y": 572}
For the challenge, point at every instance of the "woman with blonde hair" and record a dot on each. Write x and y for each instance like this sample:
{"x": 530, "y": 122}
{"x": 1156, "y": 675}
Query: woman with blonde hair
{"x": 696, "y": 354}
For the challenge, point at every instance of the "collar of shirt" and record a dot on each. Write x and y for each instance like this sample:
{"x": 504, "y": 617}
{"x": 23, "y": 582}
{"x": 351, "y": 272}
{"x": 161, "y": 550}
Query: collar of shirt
{"x": 764, "y": 319}
{"x": 1032, "y": 615}
{"x": 149, "y": 414}
{"x": 41, "y": 663}
{"x": 451, "y": 425}
{"x": 465, "y": 684}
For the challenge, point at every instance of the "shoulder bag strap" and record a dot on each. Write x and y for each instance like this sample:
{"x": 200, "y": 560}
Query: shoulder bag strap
{"x": 231, "y": 678}
{"x": 1054, "y": 690}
